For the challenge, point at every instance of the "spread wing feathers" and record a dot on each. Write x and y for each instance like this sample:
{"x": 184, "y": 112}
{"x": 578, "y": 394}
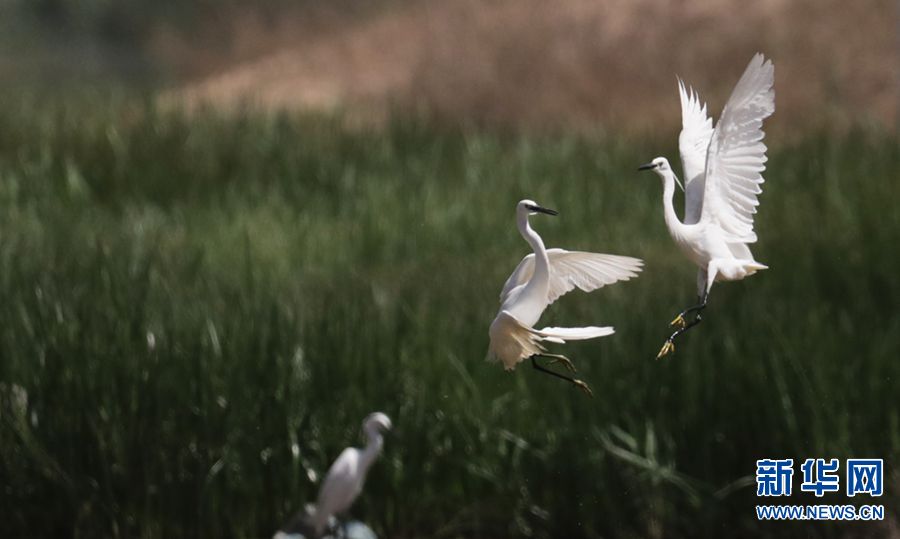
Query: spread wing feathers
{"x": 737, "y": 154}
{"x": 570, "y": 269}
{"x": 512, "y": 341}
{"x": 693, "y": 141}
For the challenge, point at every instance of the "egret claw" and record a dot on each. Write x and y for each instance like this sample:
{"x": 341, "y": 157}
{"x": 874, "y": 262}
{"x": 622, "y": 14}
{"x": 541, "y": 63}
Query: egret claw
{"x": 584, "y": 387}
{"x": 666, "y": 349}
{"x": 679, "y": 322}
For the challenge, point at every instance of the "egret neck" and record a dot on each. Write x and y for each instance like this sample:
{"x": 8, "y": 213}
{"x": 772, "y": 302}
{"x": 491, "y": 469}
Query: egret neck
{"x": 675, "y": 226}
{"x": 373, "y": 447}
{"x": 541, "y": 262}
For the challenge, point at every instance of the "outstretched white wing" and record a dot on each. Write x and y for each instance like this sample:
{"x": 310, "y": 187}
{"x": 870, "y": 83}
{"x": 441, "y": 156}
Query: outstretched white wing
{"x": 512, "y": 341}
{"x": 570, "y": 269}
{"x": 693, "y": 141}
{"x": 737, "y": 154}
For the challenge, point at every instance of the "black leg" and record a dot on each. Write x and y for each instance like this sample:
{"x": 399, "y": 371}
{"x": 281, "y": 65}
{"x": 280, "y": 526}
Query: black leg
{"x": 697, "y": 319}
{"x": 577, "y": 383}
{"x": 559, "y": 358}
{"x": 669, "y": 346}
{"x": 680, "y": 322}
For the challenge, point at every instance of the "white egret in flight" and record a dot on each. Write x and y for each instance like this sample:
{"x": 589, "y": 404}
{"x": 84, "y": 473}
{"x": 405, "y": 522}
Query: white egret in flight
{"x": 723, "y": 174}
{"x": 538, "y": 281}
{"x": 345, "y": 478}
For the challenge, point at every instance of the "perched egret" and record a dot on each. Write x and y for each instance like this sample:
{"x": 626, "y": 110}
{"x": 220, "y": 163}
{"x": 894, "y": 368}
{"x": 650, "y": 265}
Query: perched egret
{"x": 538, "y": 281}
{"x": 723, "y": 173}
{"x": 344, "y": 480}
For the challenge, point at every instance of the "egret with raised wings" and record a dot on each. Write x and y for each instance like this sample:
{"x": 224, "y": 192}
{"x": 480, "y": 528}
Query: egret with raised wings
{"x": 723, "y": 174}
{"x": 538, "y": 281}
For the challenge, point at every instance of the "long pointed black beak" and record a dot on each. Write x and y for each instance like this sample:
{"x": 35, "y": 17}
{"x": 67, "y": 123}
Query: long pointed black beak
{"x": 648, "y": 166}
{"x": 548, "y": 211}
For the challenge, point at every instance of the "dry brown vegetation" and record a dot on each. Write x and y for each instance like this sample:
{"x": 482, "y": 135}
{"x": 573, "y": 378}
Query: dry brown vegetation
{"x": 571, "y": 63}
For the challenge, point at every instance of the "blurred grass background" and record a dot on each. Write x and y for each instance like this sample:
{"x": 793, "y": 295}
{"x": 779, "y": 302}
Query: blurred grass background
{"x": 201, "y": 309}
{"x": 202, "y": 299}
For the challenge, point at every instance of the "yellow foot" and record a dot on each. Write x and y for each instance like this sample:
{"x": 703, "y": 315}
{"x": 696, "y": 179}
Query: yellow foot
{"x": 679, "y": 322}
{"x": 666, "y": 349}
{"x": 584, "y": 387}
{"x": 567, "y": 363}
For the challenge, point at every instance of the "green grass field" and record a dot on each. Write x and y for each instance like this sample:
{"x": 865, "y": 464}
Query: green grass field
{"x": 202, "y": 310}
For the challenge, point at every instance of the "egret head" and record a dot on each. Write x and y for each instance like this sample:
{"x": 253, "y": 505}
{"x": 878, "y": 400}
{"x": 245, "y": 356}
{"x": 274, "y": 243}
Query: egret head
{"x": 660, "y": 165}
{"x": 530, "y": 207}
{"x": 376, "y": 422}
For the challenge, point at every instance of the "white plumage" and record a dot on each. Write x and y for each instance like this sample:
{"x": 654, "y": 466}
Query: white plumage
{"x": 693, "y": 141}
{"x": 539, "y": 280}
{"x": 345, "y": 479}
{"x": 723, "y": 177}
{"x": 737, "y": 154}
{"x": 573, "y": 269}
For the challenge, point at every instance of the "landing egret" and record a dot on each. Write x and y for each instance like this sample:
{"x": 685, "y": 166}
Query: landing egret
{"x": 344, "y": 480}
{"x": 723, "y": 174}
{"x": 538, "y": 281}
